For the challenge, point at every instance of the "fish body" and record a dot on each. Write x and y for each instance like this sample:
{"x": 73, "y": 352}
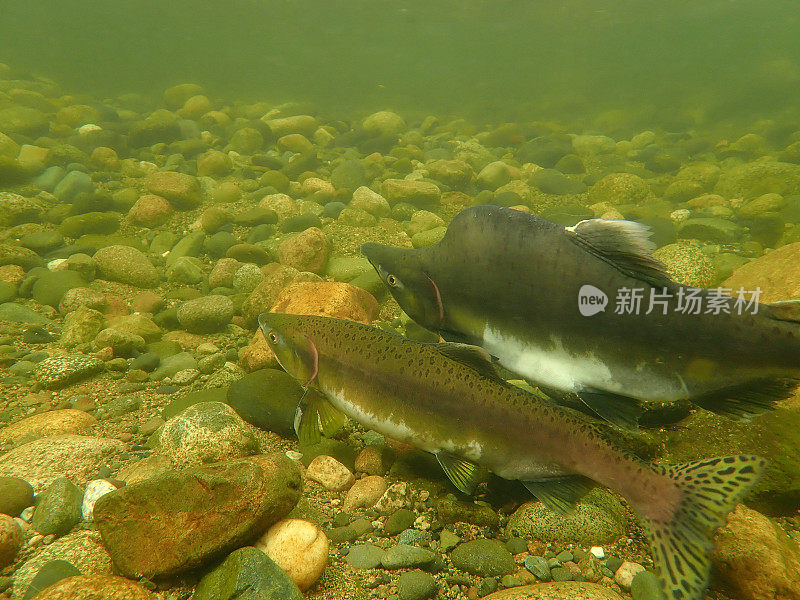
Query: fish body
{"x": 444, "y": 399}
{"x": 512, "y": 283}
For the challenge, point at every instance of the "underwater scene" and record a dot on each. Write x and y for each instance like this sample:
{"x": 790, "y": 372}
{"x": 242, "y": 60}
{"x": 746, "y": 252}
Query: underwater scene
{"x": 399, "y": 300}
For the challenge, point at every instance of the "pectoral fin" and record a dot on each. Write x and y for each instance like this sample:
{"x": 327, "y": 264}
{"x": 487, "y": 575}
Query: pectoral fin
{"x": 464, "y": 474}
{"x": 560, "y": 494}
{"x": 474, "y": 357}
{"x": 622, "y": 411}
{"x": 315, "y": 415}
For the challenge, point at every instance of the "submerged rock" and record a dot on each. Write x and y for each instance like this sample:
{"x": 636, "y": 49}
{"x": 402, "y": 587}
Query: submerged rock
{"x": 206, "y": 432}
{"x": 754, "y": 559}
{"x": 299, "y": 548}
{"x": 247, "y": 574}
{"x": 177, "y": 521}
{"x": 96, "y": 587}
{"x": 599, "y": 518}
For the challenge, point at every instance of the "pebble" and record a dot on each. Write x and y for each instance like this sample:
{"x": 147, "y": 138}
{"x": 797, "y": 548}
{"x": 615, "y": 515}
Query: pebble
{"x": 539, "y": 567}
{"x": 403, "y": 556}
{"x": 484, "y": 557}
{"x": 10, "y": 540}
{"x": 365, "y": 493}
{"x": 299, "y": 548}
{"x": 329, "y": 472}
{"x": 15, "y": 495}
{"x": 95, "y": 489}
{"x": 125, "y": 264}
{"x": 625, "y": 573}
{"x": 206, "y": 432}
{"x": 417, "y": 585}
{"x": 364, "y": 556}
{"x": 247, "y": 574}
{"x": 58, "y": 508}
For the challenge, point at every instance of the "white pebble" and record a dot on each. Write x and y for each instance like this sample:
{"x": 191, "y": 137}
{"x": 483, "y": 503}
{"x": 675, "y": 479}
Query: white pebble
{"x": 94, "y": 490}
{"x": 598, "y": 552}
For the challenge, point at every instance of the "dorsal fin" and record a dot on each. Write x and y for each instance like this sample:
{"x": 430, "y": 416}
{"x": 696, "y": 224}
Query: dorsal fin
{"x": 624, "y": 244}
{"x": 474, "y": 357}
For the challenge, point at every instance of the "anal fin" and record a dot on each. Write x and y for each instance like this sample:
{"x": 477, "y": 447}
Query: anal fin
{"x": 748, "y": 399}
{"x": 560, "y": 494}
{"x": 465, "y": 474}
{"x": 622, "y": 411}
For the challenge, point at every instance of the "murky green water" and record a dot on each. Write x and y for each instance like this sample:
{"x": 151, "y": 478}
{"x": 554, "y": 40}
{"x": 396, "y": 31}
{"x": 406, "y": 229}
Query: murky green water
{"x": 498, "y": 60}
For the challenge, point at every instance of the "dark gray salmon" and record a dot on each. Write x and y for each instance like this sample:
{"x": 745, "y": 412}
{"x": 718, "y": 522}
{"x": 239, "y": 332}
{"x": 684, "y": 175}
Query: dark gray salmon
{"x": 510, "y": 282}
{"x": 445, "y": 399}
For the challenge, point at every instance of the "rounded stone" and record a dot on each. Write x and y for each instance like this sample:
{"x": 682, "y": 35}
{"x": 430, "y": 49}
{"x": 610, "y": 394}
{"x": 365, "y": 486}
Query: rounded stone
{"x": 306, "y": 251}
{"x": 150, "y": 211}
{"x": 487, "y": 558}
{"x": 686, "y": 264}
{"x": 10, "y": 540}
{"x": 329, "y": 472}
{"x": 417, "y": 585}
{"x": 96, "y": 587}
{"x": 125, "y": 264}
{"x": 16, "y": 495}
{"x": 365, "y": 493}
{"x": 204, "y": 433}
{"x": 620, "y": 188}
{"x": 268, "y": 399}
{"x": 298, "y": 547}
{"x": 206, "y": 314}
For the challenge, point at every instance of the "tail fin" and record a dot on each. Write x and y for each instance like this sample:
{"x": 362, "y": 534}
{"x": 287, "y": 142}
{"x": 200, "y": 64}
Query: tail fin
{"x": 681, "y": 547}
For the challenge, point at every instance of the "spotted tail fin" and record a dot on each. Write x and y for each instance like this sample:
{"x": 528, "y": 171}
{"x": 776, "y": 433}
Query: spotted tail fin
{"x": 682, "y": 546}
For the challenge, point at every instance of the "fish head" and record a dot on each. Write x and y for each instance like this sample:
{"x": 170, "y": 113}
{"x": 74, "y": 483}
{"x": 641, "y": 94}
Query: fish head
{"x": 405, "y": 275}
{"x": 293, "y": 347}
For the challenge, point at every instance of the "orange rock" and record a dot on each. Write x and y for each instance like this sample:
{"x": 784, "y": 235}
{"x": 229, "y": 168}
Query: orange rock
{"x": 10, "y": 540}
{"x": 150, "y": 211}
{"x": 327, "y": 299}
{"x": 306, "y": 251}
{"x": 755, "y": 559}
{"x": 263, "y": 297}
{"x": 776, "y": 273}
{"x": 257, "y": 355}
{"x": 96, "y": 587}
{"x": 54, "y": 422}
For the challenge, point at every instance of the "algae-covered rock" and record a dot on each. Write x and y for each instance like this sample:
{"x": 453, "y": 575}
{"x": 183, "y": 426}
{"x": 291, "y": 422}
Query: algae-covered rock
{"x": 599, "y": 518}
{"x": 487, "y": 558}
{"x": 267, "y": 398}
{"x": 177, "y": 521}
{"x": 206, "y": 432}
{"x": 247, "y": 574}
{"x": 753, "y": 179}
{"x": 620, "y": 188}
{"x": 774, "y": 435}
{"x": 686, "y": 264}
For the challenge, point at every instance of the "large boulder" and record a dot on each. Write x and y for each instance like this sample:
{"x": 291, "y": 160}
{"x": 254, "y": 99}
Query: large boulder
{"x": 178, "y": 521}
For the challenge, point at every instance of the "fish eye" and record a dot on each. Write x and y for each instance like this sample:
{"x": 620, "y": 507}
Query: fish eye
{"x": 392, "y": 280}
{"x": 273, "y": 337}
